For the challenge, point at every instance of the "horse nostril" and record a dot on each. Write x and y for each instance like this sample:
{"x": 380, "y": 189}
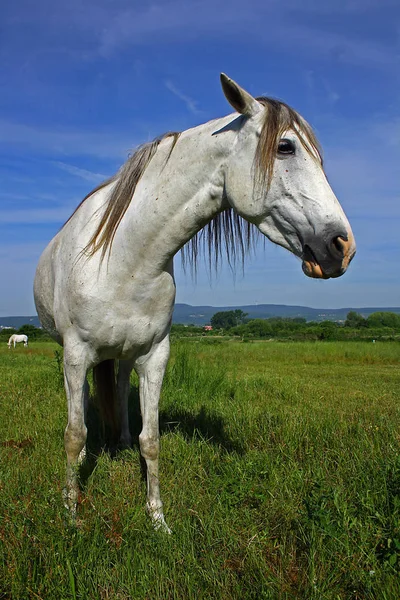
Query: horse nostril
{"x": 338, "y": 246}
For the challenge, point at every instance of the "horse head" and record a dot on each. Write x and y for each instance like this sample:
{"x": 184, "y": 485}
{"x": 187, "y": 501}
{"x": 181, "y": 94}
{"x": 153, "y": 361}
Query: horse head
{"x": 275, "y": 179}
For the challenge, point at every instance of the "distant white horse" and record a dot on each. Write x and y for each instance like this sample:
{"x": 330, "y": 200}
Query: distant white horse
{"x": 105, "y": 288}
{"x": 14, "y": 339}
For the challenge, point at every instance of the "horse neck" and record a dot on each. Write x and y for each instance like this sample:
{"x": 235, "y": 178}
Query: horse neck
{"x": 177, "y": 195}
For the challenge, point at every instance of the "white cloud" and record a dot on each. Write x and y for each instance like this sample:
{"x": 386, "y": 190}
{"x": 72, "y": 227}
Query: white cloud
{"x": 191, "y": 104}
{"x": 70, "y": 143}
{"x": 78, "y": 172}
{"x": 84, "y": 31}
{"x": 265, "y": 23}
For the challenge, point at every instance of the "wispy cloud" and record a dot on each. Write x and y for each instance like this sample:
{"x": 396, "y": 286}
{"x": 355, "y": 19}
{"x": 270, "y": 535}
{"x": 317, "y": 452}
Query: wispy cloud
{"x": 101, "y": 28}
{"x": 78, "y": 172}
{"x": 64, "y": 142}
{"x": 191, "y": 104}
{"x": 266, "y": 23}
{"x": 341, "y": 48}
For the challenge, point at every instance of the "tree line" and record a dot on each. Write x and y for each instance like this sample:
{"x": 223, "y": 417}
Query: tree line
{"x": 378, "y": 325}
{"x": 33, "y": 333}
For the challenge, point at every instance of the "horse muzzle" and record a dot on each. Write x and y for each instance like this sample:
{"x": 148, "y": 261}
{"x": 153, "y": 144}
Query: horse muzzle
{"x": 329, "y": 259}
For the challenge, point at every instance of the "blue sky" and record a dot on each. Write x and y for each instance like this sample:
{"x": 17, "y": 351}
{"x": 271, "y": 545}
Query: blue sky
{"x": 84, "y": 82}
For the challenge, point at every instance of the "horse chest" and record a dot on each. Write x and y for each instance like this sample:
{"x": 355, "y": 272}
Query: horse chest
{"x": 128, "y": 318}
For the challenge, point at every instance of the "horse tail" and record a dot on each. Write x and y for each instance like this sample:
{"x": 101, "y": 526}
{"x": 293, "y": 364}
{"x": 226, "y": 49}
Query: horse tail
{"x": 106, "y": 397}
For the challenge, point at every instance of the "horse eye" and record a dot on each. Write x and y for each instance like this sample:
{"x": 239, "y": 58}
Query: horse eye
{"x": 286, "y": 147}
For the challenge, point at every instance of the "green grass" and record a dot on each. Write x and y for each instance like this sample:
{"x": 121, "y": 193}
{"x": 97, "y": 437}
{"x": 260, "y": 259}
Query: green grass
{"x": 280, "y": 476}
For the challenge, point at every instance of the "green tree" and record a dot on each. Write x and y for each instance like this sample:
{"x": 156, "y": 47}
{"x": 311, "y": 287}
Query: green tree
{"x": 31, "y": 331}
{"x": 355, "y": 320}
{"x": 6, "y": 333}
{"x": 328, "y": 330}
{"x": 259, "y": 328}
{"x": 384, "y": 319}
{"x": 226, "y": 319}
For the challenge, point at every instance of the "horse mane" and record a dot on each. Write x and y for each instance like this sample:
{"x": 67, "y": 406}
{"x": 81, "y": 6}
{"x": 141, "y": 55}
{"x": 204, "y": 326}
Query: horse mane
{"x": 227, "y": 230}
{"x": 126, "y": 180}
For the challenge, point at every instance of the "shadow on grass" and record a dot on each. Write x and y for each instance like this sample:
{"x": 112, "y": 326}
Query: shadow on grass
{"x": 205, "y": 425}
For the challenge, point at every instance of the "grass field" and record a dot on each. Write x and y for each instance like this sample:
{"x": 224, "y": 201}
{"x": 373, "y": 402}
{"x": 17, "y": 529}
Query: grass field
{"x": 280, "y": 475}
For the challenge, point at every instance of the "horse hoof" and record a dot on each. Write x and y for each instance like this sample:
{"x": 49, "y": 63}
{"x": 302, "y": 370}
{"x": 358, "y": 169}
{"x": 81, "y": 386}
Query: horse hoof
{"x": 158, "y": 520}
{"x": 160, "y": 525}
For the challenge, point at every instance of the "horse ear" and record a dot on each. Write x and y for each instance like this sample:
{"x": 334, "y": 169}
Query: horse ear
{"x": 237, "y": 97}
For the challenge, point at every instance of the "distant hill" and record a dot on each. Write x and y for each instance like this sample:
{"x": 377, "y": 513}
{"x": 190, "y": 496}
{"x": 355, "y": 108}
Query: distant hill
{"x": 200, "y": 315}
{"x": 17, "y": 322}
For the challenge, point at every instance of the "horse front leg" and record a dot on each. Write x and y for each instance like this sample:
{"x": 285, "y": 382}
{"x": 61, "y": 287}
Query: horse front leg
{"x": 151, "y": 369}
{"x": 123, "y": 388}
{"x": 76, "y": 387}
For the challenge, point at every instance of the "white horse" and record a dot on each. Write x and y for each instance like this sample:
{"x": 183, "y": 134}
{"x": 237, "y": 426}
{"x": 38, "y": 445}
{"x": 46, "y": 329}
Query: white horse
{"x": 104, "y": 286}
{"x": 14, "y": 339}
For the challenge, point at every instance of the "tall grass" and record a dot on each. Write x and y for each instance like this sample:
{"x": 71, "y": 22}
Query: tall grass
{"x": 280, "y": 475}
